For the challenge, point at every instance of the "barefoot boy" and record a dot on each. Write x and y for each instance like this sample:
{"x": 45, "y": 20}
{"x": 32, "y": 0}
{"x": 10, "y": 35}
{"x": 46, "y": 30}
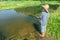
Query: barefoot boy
{"x": 44, "y": 19}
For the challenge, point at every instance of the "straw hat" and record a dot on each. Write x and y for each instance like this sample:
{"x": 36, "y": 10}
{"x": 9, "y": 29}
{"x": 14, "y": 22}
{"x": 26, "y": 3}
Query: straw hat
{"x": 46, "y": 6}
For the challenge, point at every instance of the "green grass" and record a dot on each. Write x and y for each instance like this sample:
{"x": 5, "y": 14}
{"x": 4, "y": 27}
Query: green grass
{"x": 53, "y": 27}
{"x": 15, "y": 4}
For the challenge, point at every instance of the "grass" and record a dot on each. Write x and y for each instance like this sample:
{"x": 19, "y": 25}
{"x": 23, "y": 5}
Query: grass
{"x": 53, "y": 25}
{"x": 15, "y": 4}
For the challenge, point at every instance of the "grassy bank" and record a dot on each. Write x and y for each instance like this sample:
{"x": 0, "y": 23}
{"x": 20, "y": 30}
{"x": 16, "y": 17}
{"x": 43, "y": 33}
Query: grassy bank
{"x": 16, "y": 4}
{"x": 53, "y": 27}
{"x": 21, "y": 4}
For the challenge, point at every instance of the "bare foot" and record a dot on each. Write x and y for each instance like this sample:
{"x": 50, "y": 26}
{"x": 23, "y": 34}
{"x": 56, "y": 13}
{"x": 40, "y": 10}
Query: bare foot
{"x": 42, "y": 36}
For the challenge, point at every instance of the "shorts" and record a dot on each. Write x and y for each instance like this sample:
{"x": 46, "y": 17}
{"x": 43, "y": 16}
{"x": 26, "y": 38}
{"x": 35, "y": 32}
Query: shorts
{"x": 43, "y": 28}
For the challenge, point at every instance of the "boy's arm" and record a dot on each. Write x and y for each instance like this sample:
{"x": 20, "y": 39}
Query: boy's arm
{"x": 41, "y": 16}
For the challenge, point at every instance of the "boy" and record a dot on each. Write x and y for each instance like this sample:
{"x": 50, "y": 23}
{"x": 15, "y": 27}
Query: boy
{"x": 44, "y": 19}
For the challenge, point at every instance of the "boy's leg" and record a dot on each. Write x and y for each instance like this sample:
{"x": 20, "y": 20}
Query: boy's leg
{"x": 42, "y": 34}
{"x": 43, "y": 31}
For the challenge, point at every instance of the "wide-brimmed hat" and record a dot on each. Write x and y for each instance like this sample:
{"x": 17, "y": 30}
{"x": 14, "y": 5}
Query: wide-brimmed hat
{"x": 46, "y": 6}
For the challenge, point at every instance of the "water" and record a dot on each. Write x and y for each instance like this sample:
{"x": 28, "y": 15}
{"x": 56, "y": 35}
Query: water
{"x": 13, "y": 23}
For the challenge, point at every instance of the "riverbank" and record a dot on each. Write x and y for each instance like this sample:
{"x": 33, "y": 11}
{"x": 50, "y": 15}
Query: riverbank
{"x": 21, "y": 4}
